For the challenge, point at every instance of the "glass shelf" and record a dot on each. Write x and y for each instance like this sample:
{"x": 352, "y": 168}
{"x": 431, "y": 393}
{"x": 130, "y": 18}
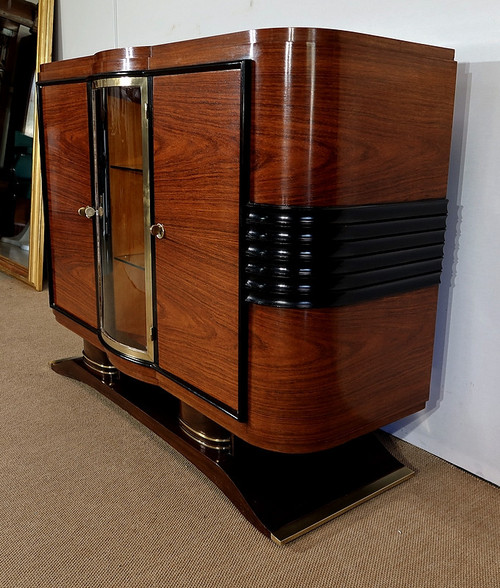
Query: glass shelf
{"x": 135, "y": 260}
{"x": 126, "y": 168}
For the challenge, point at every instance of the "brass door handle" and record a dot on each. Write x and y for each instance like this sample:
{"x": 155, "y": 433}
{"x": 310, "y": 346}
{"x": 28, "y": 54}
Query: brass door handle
{"x": 157, "y": 230}
{"x": 87, "y": 211}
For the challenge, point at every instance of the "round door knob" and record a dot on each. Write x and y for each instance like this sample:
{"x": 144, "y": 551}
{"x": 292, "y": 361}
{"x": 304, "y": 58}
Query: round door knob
{"x": 157, "y": 230}
{"x": 87, "y": 211}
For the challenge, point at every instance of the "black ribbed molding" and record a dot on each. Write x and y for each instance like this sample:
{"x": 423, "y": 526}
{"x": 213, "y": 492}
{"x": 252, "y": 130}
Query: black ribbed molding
{"x": 310, "y": 257}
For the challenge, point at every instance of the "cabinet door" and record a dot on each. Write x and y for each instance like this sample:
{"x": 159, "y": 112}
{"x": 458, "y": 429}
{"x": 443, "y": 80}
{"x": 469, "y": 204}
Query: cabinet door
{"x": 68, "y": 188}
{"x": 196, "y": 127}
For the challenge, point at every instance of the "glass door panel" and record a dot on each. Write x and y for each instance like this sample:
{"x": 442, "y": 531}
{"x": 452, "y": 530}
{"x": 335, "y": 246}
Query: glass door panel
{"x": 122, "y": 187}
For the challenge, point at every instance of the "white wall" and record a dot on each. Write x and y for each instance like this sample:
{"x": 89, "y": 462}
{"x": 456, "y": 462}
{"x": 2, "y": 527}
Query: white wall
{"x": 462, "y": 420}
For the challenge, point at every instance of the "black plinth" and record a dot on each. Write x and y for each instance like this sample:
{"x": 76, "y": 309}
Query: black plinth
{"x": 282, "y": 495}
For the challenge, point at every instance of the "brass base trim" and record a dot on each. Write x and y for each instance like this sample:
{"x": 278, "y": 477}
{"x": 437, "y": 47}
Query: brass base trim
{"x": 203, "y": 430}
{"x": 204, "y": 440}
{"x": 99, "y": 367}
{"x": 339, "y": 507}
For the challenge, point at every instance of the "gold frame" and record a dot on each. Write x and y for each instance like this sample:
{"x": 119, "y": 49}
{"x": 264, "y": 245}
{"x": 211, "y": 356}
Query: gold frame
{"x": 33, "y": 274}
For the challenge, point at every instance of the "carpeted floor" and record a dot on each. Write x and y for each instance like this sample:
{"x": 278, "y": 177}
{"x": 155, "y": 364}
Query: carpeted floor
{"x": 90, "y": 498}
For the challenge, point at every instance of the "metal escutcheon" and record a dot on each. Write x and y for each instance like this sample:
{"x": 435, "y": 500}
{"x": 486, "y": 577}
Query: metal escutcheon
{"x": 87, "y": 211}
{"x": 157, "y": 230}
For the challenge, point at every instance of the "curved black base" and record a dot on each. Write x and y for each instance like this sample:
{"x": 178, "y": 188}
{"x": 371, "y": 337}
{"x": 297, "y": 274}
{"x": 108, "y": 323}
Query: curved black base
{"x": 282, "y": 495}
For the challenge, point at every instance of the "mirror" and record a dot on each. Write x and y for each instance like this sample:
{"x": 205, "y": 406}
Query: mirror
{"x": 25, "y": 42}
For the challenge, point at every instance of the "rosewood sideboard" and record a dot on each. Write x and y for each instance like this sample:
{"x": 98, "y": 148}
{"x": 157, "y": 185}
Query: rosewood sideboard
{"x": 247, "y": 232}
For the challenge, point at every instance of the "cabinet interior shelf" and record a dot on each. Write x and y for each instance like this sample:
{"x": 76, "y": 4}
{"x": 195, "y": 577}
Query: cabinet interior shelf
{"x": 134, "y": 259}
{"x": 126, "y": 168}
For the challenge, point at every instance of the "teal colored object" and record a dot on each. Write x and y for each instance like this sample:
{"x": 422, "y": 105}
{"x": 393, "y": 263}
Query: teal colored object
{"x": 23, "y": 146}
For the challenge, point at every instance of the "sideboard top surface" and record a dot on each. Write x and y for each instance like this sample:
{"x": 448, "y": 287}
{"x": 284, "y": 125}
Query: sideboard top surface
{"x": 239, "y": 45}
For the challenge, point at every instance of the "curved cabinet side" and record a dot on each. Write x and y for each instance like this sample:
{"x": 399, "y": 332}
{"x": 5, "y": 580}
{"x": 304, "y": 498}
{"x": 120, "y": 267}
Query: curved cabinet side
{"x": 334, "y": 125}
{"x": 321, "y": 377}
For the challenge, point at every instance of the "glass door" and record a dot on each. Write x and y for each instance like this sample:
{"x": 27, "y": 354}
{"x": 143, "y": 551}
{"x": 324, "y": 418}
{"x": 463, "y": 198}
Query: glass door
{"x": 123, "y": 214}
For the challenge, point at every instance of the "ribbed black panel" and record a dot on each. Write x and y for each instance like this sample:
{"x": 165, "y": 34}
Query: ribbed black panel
{"x": 305, "y": 257}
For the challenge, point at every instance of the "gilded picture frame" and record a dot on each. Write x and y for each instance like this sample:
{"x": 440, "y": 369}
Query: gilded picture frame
{"x": 32, "y": 273}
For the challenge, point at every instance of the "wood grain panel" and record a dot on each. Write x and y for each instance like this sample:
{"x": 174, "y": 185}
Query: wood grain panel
{"x": 335, "y": 127}
{"x": 339, "y": 118}
{"x": 321, "y": 377}
{"x": 67, "y": 161}
{"x": 196, "y": 186}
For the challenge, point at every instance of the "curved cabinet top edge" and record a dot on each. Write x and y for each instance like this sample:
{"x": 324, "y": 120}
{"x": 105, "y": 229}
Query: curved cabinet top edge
{"x": 143, "y": 58}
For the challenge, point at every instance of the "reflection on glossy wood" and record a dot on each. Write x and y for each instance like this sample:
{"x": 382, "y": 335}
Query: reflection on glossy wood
{"x": 323, "y": 376}
{"x": 339, "y": 118}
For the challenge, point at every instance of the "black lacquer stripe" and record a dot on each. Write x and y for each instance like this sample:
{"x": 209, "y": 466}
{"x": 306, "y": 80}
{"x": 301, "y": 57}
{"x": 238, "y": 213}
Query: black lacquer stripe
{"x": 351, "y": 296}
{"x": 331, "y": 247}
{"x": 306, "y": 257}
{"x": 340, "y": 282}
{"x": 346, "y": 264}
{"x": 347, "y": 214}
{"x": 305, "y": 233}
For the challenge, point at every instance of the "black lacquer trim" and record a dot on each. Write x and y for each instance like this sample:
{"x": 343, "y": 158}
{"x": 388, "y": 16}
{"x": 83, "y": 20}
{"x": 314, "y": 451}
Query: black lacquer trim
{"x": 175, "y": 70}
{"x": 309, "y": 257}
{"x": 150, "y": 116}
{"x": 244, "y": 197}
{"x": 92, "y": 172}
{"x": 45, "y": 199}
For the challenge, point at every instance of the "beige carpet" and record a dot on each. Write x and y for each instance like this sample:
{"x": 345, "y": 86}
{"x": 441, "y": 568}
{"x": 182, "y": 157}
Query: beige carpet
{"x": 90, "y": 498}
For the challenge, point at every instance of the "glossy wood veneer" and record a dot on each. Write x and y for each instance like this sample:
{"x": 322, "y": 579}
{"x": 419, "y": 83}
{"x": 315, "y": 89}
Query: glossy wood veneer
{"x": 68, "y": 182}
{"x": 335, "y": 119}
{"x": 338, "y": 118}
{"x": 197, "y": 187}
{"x": 320, "y": 378}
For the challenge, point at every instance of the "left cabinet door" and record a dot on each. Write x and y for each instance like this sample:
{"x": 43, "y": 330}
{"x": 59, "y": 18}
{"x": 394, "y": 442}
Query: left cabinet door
{"x": 65, "y": 124}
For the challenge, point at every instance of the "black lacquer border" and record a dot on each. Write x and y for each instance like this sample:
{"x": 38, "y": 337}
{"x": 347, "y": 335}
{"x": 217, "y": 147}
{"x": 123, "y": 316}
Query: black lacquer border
{"x": 245, "y": 67}
{"x": 45, "y": 198}
{"x": 310, "y": 257}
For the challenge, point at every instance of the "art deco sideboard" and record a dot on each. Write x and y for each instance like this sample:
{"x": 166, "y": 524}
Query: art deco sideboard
{"x": 247, "y": 232}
